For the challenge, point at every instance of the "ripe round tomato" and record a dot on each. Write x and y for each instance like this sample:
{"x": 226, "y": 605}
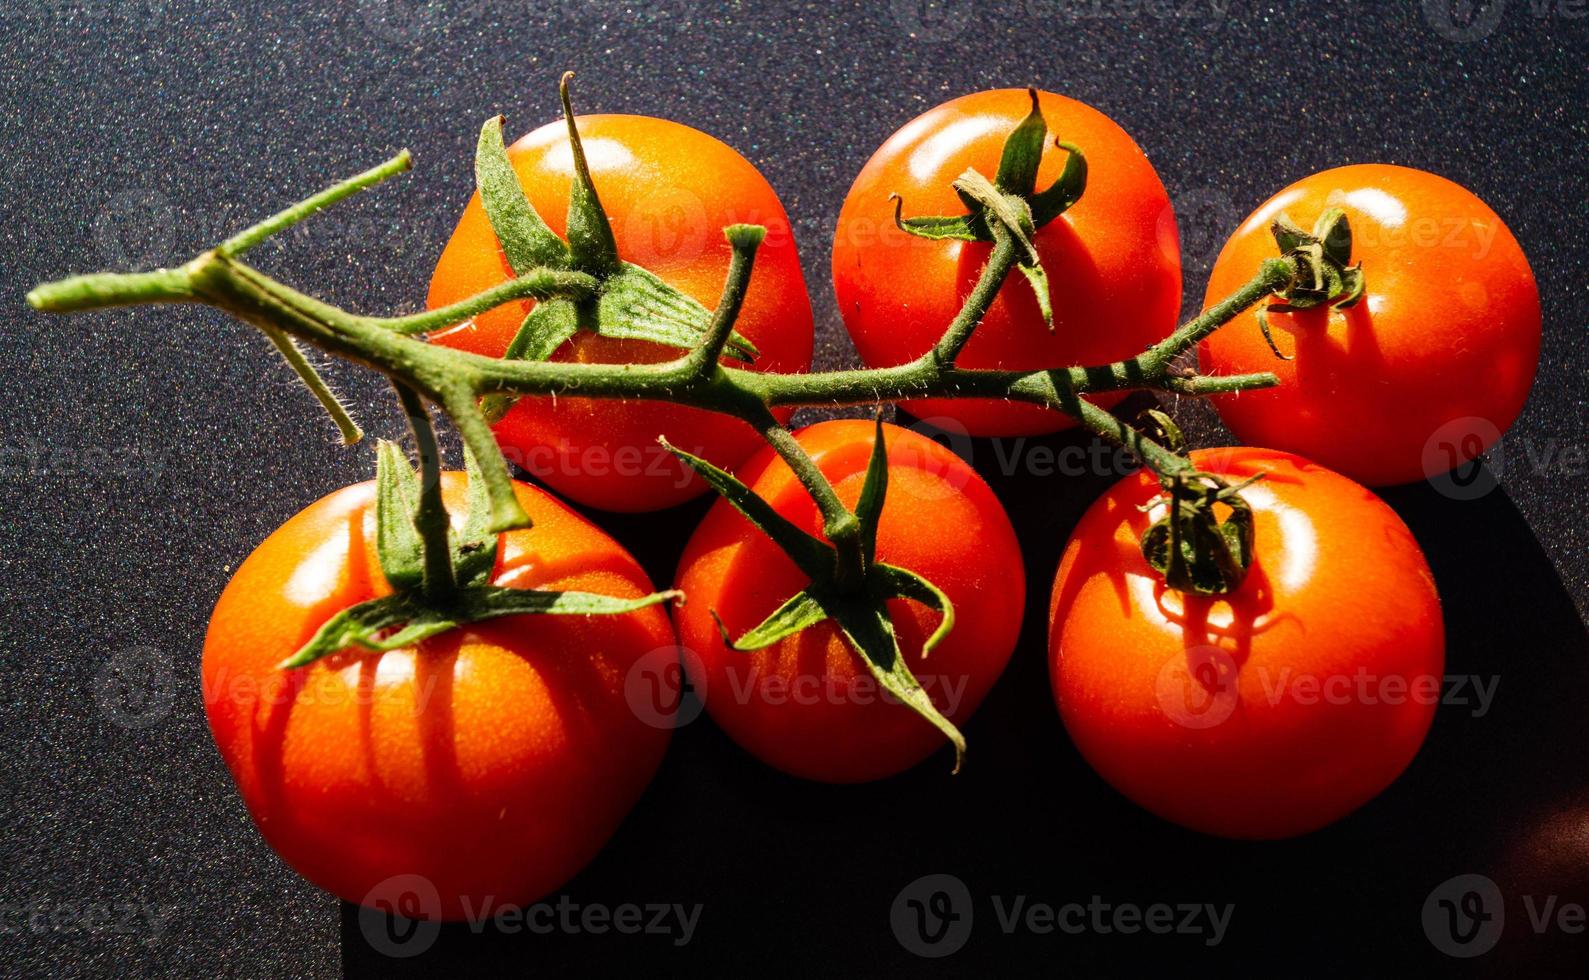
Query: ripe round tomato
{"x": 1422, "y": 374}
{"x": 808, "y": 704}
{"x": 1113, "y": 259}
{"x": 669, "y": 191}
{"x": 493, "y": 760}
{"x": 1268, "y": 712}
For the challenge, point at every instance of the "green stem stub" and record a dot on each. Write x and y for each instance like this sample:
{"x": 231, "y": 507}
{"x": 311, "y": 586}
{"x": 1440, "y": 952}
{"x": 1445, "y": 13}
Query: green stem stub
{"x": 1017, "y": 179}
{"x": 855, "y": 600}
{"x": 628, "y": 301}
{"x": 1324, "y": 275}
{"x": 1010, "y": 205}
{"x": 406, "y": 541}
{"x": 1323, "y": 257}
{"x": 1203, "y": 543}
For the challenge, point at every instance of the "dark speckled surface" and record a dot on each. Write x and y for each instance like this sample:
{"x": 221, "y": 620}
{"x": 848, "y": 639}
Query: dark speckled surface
{"x": 147, "y": 452}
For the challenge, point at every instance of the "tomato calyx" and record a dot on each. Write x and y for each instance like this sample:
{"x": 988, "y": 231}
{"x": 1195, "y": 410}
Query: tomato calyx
{"x": 1324, "y": 273}
{"x": 1203, "y": 545}
{"x": 854, "y": 599}
{"x": 439, "y": 590}
{"x": 1010, "y": 204}
{"x": 628, "y": 301}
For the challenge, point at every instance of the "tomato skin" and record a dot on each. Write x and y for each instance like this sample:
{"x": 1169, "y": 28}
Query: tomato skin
{"x": 669, "y": 190}
{"x": 1449, "y": 330}
{"x": 808, "y": 705}
{"x": 1280, "y": 744}
{"x": 494, "y": 760}
{"x": 1113, "y": 259}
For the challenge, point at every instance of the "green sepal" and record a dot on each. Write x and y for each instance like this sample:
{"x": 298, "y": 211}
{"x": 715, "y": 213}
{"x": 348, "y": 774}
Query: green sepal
{"x": 546, "y": 327}
{"x": 398, "y": 544}
{"x": 474, "y": 546}
{"x": 1191, "y": 546}
{"x": 1287, "y": 234}
{"x": 866, "y": 624}
{"x": 1064, "y": 192}
{"x": 801, "y": 610}
{"x": 526, "y": 239}
{"x": 893, "y": 582}
{"x": 1268, "y": 337}
{"x": 959, "y": 228}
{"x": 1164, "y": 430}
{"x": 590, "y": 237}
{"x": 369, "y": 625}
{"x": 1023, "y": 151}
{"x": 1017, "y": 177}
{"x": 869, "y": 508}
{"x": 1037, "y": 278}
{"x": 636, "y": 304}
{"x": 862, "y": 614}
{"x": 812, "y": 555}
{"x": 1334, "y": 232}
{"x": 507, "y": 513}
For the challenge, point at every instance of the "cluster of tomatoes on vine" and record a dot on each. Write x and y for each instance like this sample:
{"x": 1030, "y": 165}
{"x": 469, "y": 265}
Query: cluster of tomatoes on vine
{"x": 496, "y": 757}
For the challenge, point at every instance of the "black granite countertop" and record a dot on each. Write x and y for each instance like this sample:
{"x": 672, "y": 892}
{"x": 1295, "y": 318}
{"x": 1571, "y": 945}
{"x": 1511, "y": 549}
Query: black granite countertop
{"x": 147, "y": 452}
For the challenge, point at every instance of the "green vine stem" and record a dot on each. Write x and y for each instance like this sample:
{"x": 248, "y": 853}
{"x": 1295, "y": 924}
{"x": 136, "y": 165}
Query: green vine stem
{"x": 457, "y": 379}
{"x": 848, "y": 584}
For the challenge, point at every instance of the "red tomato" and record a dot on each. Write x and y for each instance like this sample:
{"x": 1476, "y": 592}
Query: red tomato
{"x": 1113, "y": 259}
{"x": 1422, "y": 374}
{"x": 1268, "y": 712}
{"x": 493, "y": 760}
{"x": 808, "y": 705}
{"x": 669, "y": 191}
